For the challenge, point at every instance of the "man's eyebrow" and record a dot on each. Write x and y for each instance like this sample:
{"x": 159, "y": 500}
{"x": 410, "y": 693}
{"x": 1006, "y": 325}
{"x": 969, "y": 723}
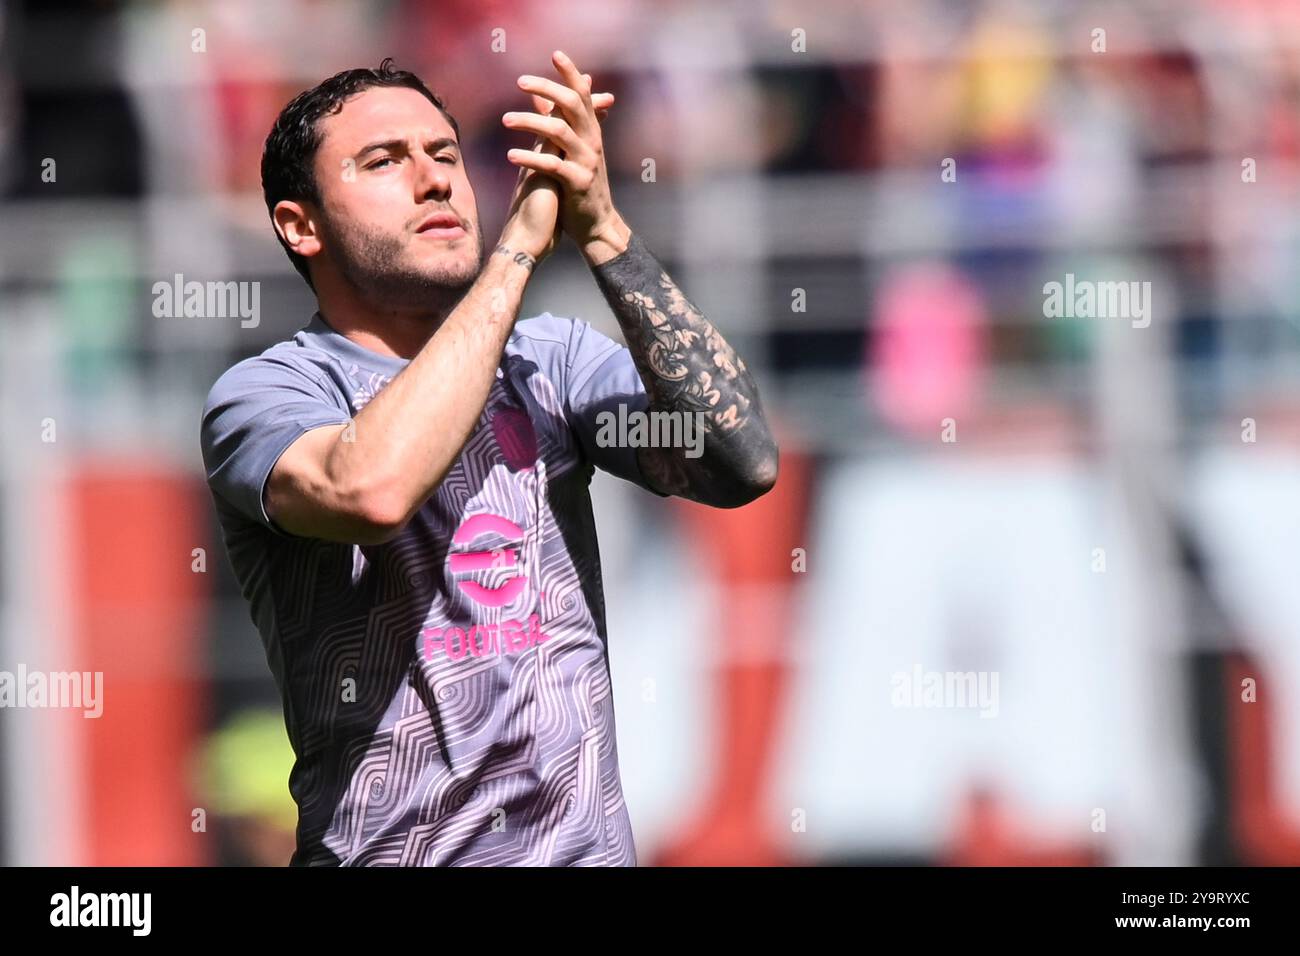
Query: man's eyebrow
{"x": 400, "y": 144}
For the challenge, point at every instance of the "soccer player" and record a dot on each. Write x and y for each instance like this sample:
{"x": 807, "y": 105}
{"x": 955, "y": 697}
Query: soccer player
{"x": 403, "y": 485}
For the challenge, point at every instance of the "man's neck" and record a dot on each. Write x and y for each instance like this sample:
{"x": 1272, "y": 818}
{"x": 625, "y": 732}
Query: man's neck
{"x": 400, "y": 336}
{"x": 394, "y": 333}
{"x": 386, "y": 329}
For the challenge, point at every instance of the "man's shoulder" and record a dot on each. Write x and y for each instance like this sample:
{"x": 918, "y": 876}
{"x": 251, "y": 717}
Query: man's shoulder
{"x": 573, "y": 341}
{"x": 543, "y": 330}
{"x": 288, "y": 362}
{"x": 543, "y": 342}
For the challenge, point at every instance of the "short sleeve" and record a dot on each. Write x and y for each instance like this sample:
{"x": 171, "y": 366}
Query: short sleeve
{"x": 255, "y": 411}
{"x": 601, "y": 377}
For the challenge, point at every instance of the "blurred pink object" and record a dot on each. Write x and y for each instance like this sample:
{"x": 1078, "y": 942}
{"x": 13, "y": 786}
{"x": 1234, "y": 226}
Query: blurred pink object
{"x": 928, "y": 349}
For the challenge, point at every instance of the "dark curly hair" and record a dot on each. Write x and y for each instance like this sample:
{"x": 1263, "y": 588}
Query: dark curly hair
{"x": 289, "y": 156}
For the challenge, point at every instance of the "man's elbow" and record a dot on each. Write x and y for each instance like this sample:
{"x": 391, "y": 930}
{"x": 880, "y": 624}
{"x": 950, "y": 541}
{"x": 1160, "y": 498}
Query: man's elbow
{"x": 762, "y": 478}
{"x": 378, "y": 513}
{"x": 306, "y": 499}
{"x": 372, "y": 531}
{"x": 752, "y": 482}
{"x": 768, "y": 469}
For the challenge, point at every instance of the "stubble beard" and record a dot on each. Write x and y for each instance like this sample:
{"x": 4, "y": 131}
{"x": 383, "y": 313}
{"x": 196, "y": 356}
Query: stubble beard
{"x": 376, "y": 265}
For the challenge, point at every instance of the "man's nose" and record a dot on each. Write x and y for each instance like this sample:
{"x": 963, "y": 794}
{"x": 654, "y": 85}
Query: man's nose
{"x": 432, "y": 179}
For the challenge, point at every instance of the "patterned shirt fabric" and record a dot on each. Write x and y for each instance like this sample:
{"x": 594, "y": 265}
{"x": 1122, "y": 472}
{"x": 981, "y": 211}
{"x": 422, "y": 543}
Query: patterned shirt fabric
{"x": 447, "y": 693}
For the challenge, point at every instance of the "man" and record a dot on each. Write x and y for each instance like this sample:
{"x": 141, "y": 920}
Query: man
{"x": 403, "y": 485}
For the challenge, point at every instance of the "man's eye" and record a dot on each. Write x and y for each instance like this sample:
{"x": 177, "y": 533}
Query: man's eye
{"x": 376, "y": 164}
{"x": 447, "y": 158}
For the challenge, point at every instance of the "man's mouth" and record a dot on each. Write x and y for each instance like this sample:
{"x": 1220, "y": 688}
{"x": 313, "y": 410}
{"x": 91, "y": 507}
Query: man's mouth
{"x": 441, "y": 225}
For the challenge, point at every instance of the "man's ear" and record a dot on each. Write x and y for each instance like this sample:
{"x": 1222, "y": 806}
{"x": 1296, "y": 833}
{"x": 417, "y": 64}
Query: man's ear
{"x": 297, "y": 227}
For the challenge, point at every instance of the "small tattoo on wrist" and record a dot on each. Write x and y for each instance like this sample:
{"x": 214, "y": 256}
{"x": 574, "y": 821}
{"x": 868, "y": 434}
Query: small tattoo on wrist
{"x": 520, "y": 258}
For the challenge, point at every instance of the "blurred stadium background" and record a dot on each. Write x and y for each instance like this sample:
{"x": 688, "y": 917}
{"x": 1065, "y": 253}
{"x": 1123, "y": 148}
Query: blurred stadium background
{"x": 1111, "y": 536}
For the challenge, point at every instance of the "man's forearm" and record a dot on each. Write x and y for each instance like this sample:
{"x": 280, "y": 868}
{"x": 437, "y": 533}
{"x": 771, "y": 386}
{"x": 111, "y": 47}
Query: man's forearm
{"x": 409, "y": 436}
{"x": 687, "y": 367}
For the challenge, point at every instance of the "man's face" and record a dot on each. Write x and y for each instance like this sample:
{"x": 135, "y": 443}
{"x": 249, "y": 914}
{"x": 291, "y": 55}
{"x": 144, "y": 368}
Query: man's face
{"x": 387, "y": 166}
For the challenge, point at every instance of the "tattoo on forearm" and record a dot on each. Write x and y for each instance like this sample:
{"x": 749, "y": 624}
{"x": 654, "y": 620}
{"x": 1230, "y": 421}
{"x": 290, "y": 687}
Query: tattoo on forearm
{"x": 687, "y": 366}
{"x": 520, "y": 258}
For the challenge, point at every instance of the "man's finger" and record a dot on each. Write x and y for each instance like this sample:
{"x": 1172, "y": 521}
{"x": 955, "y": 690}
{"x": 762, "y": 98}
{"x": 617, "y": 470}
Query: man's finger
{"x": 570, "y": 104}
{"x": 601, "y": 101}
{"x": 540, "y": 145}
{"x": 567, "y": 172}
{"x": 552, "y": 128}
{"x": 573, "y": 79}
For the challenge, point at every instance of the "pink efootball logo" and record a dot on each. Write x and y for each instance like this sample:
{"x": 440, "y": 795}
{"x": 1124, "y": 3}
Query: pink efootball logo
{"x": 468, "y": 561}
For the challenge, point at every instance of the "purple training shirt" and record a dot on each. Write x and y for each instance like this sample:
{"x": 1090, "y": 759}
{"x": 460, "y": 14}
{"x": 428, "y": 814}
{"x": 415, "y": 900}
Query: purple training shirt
{"x": 447, "y": 694}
